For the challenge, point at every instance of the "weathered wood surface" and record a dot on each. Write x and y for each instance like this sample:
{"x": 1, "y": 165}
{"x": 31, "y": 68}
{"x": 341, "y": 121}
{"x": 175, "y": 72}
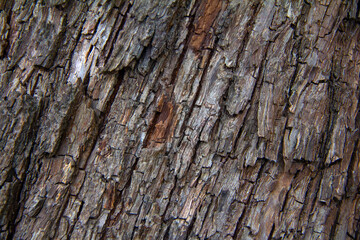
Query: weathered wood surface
{"x": 177, "y": 119}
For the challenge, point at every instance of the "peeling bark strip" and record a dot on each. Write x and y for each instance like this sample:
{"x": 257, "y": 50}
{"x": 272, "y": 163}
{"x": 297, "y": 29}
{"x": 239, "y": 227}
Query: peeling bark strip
{"x": 172, "y": 119}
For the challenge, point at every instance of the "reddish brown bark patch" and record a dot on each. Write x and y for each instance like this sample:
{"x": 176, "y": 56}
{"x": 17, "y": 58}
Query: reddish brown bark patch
{"x": 109, "y": 196}
{"x": 160, "y": 131}
{"x": 207, "y": 14}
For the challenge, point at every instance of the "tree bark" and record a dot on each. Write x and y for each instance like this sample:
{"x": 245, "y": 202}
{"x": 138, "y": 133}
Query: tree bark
{"x": 174, "y": 119}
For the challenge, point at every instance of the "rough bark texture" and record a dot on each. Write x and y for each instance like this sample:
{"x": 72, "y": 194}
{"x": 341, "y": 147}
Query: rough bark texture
{"x": 175, "y": 119}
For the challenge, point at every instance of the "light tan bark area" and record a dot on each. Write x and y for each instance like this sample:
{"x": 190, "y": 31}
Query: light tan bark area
{"x": 172, "y": 119}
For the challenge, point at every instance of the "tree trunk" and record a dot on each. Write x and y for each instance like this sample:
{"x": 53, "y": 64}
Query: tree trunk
{"x": 172, "y": 119}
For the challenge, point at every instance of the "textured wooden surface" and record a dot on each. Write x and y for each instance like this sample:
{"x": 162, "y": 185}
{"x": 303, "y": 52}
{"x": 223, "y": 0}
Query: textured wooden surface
{"x": 174, "y": 119}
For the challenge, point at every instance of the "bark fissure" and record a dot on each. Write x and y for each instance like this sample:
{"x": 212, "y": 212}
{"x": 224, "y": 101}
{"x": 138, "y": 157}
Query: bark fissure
{"x": 21, "y": 190}
{"x": 118, "y": 28}
{"x": 240, "y": 224}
